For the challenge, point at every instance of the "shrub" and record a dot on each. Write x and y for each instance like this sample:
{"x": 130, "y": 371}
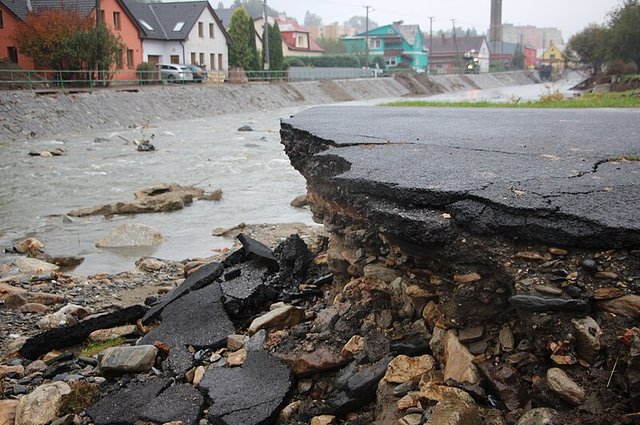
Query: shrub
{"x": 146, "y": 71}
{"x": 630, "y": 68}
{"x": 83, "y": 394}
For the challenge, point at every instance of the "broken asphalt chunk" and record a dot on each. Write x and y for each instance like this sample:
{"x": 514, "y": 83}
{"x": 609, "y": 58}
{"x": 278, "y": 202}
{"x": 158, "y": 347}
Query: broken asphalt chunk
{"x": 197, "y": 280}
{"x": 244, "y": 291}
{"x": 252, "y": 394}
{"x": 294, "y": 259}
{"x": 197, "y": 319}
{"x": 537, "y": 303}
{"x": 125, "y": 406}
{"x": 258, "y": 251}
{"x": 67, "y": 336}
{"x": 181, "y": 403}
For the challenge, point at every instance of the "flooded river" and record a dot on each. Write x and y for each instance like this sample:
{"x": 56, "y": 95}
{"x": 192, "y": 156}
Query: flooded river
{"x": 250, "y": 167}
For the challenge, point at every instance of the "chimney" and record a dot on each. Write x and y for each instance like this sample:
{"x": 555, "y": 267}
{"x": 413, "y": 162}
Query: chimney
{"x": 495, "y": 30}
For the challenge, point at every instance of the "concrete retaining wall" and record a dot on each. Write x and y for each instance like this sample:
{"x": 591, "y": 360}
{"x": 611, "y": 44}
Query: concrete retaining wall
{"x": 25, "y": 114}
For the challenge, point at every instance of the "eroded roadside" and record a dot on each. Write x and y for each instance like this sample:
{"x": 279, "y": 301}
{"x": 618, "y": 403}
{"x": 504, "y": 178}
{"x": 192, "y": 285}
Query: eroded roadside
{"x": 513, "y": 245}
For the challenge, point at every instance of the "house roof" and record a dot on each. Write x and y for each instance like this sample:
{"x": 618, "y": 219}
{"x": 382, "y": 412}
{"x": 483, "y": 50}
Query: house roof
{"x": 225, "y": 16}
{"x": 165, "y": 21}
{"x": 168, "y": 21}
{"x": 20, "y": 8}
{"x": 288, "y": 28}
{"x": 408, "y": 32}
{"x": 446, "y": 45}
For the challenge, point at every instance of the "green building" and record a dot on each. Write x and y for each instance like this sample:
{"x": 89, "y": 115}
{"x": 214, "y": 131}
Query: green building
{"x": 397, "y": 43}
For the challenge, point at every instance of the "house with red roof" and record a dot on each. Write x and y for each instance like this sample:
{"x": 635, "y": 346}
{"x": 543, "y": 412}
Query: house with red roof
{"x": 296, "y": 40}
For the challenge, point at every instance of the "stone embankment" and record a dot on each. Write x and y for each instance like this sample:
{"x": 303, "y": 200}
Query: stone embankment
{"x": 25, "y": 114}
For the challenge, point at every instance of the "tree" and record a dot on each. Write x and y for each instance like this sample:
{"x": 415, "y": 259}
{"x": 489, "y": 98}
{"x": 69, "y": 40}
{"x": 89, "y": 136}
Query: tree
{"x": 311, "y": 19}
{"x": 518, "y": 59}
{"x": 360, "y": 23}
{"x": 254, "y": 8}
{"x": 63, "y": 39}
{"x": 46, "y": 34}
{"x": 254, "y": 63}
{"x": 239, "y": 49}
{"x": 624, "y": 32}
{"x": 590, "y": 46}
{"x": 331, "y": 46}
{"x": 276, "y": 57}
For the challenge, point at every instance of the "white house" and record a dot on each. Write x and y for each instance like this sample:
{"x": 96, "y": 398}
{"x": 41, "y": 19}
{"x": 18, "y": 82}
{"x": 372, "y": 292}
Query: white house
{"x": 181, "y": 32}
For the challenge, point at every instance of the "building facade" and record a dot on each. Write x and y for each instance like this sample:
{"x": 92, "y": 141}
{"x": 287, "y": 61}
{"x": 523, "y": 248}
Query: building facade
{"x": 450, "y": 55}
{"x": 181, "y": 32}
{"x": 398, "y": 44}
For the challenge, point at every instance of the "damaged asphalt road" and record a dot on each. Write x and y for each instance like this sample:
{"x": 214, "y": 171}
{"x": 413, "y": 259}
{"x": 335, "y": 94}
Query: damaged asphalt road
{"x": 557, "y": 176}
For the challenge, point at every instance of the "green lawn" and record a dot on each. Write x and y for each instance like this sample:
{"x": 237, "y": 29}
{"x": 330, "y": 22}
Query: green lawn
{"x": 629, "y": 99}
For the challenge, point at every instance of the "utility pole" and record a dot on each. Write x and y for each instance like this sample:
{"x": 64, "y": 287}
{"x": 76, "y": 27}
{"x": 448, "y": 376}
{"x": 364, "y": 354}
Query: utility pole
{"x": 431, "y": 18}
{"x": 366, "y": 39}
{"x": 265, "y": 36}
{"x": 455, "y": 41}
{"x": 98, "y": 53}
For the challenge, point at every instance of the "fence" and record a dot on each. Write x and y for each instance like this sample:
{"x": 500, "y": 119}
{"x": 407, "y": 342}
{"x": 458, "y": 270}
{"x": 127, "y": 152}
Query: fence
{"x": 77, "y": 79}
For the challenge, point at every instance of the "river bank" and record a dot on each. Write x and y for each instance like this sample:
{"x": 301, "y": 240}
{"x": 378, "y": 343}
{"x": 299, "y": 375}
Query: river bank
{"x": 33, "y": 115}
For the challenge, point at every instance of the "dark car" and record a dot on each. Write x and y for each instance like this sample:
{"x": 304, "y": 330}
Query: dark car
{"x": 199, "y": 74}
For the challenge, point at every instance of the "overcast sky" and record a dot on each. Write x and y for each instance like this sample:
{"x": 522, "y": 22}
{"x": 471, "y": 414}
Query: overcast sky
{"x": 570, "y": 16}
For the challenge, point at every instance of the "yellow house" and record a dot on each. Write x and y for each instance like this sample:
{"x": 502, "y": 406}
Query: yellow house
{"x": 553, "y": 56}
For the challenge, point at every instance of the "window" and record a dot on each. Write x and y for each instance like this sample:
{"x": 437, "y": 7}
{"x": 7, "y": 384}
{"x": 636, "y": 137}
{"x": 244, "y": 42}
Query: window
{"x": 211, "y": 33}
{"x": 103, "y": 17}
{"x": 12, "y": 53}
{"x": 300, "y": 41}
{"x": 390, "y": 61}
{"x": 175, "y": 59}
{"x": 200, "y": 29}
{"x": 201, "y": 61}
{"x": 220, "y": 65}
{"x": 129, "y": 58}
{"x": 193, "y": 58}
{"x": 212, "y": 61}
{"x": 116, "y": 20}
{"x": 1, "y": 20}
{"x": 552, "y": 56}
{"x": 178, "y": 26}
{"x": 375, "y": 44}
{"x": 145, "y": 24}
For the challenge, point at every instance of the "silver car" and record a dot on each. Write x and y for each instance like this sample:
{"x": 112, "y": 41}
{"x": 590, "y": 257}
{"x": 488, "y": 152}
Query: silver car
{"x": 174, "y": 73}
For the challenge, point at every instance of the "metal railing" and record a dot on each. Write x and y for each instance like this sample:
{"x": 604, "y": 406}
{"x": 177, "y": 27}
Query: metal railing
{"x": 80, "y": 79}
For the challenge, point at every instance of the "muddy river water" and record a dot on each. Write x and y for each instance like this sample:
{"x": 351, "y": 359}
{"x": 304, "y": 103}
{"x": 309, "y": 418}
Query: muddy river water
{"x": 101, "y": 167}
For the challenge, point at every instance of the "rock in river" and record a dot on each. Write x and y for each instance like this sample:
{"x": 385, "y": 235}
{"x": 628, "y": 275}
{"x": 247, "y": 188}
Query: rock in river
{"x": 131, "y": 234}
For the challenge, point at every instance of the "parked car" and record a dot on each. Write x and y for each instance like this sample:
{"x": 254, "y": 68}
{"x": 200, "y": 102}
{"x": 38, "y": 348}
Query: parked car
{"x": 175, "y": 73}
{"x": 199, "y": 74}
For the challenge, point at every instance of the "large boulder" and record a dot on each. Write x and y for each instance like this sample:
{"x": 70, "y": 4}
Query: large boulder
{"x": 130, "y": 235}
{"x": 35, "y": 266}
